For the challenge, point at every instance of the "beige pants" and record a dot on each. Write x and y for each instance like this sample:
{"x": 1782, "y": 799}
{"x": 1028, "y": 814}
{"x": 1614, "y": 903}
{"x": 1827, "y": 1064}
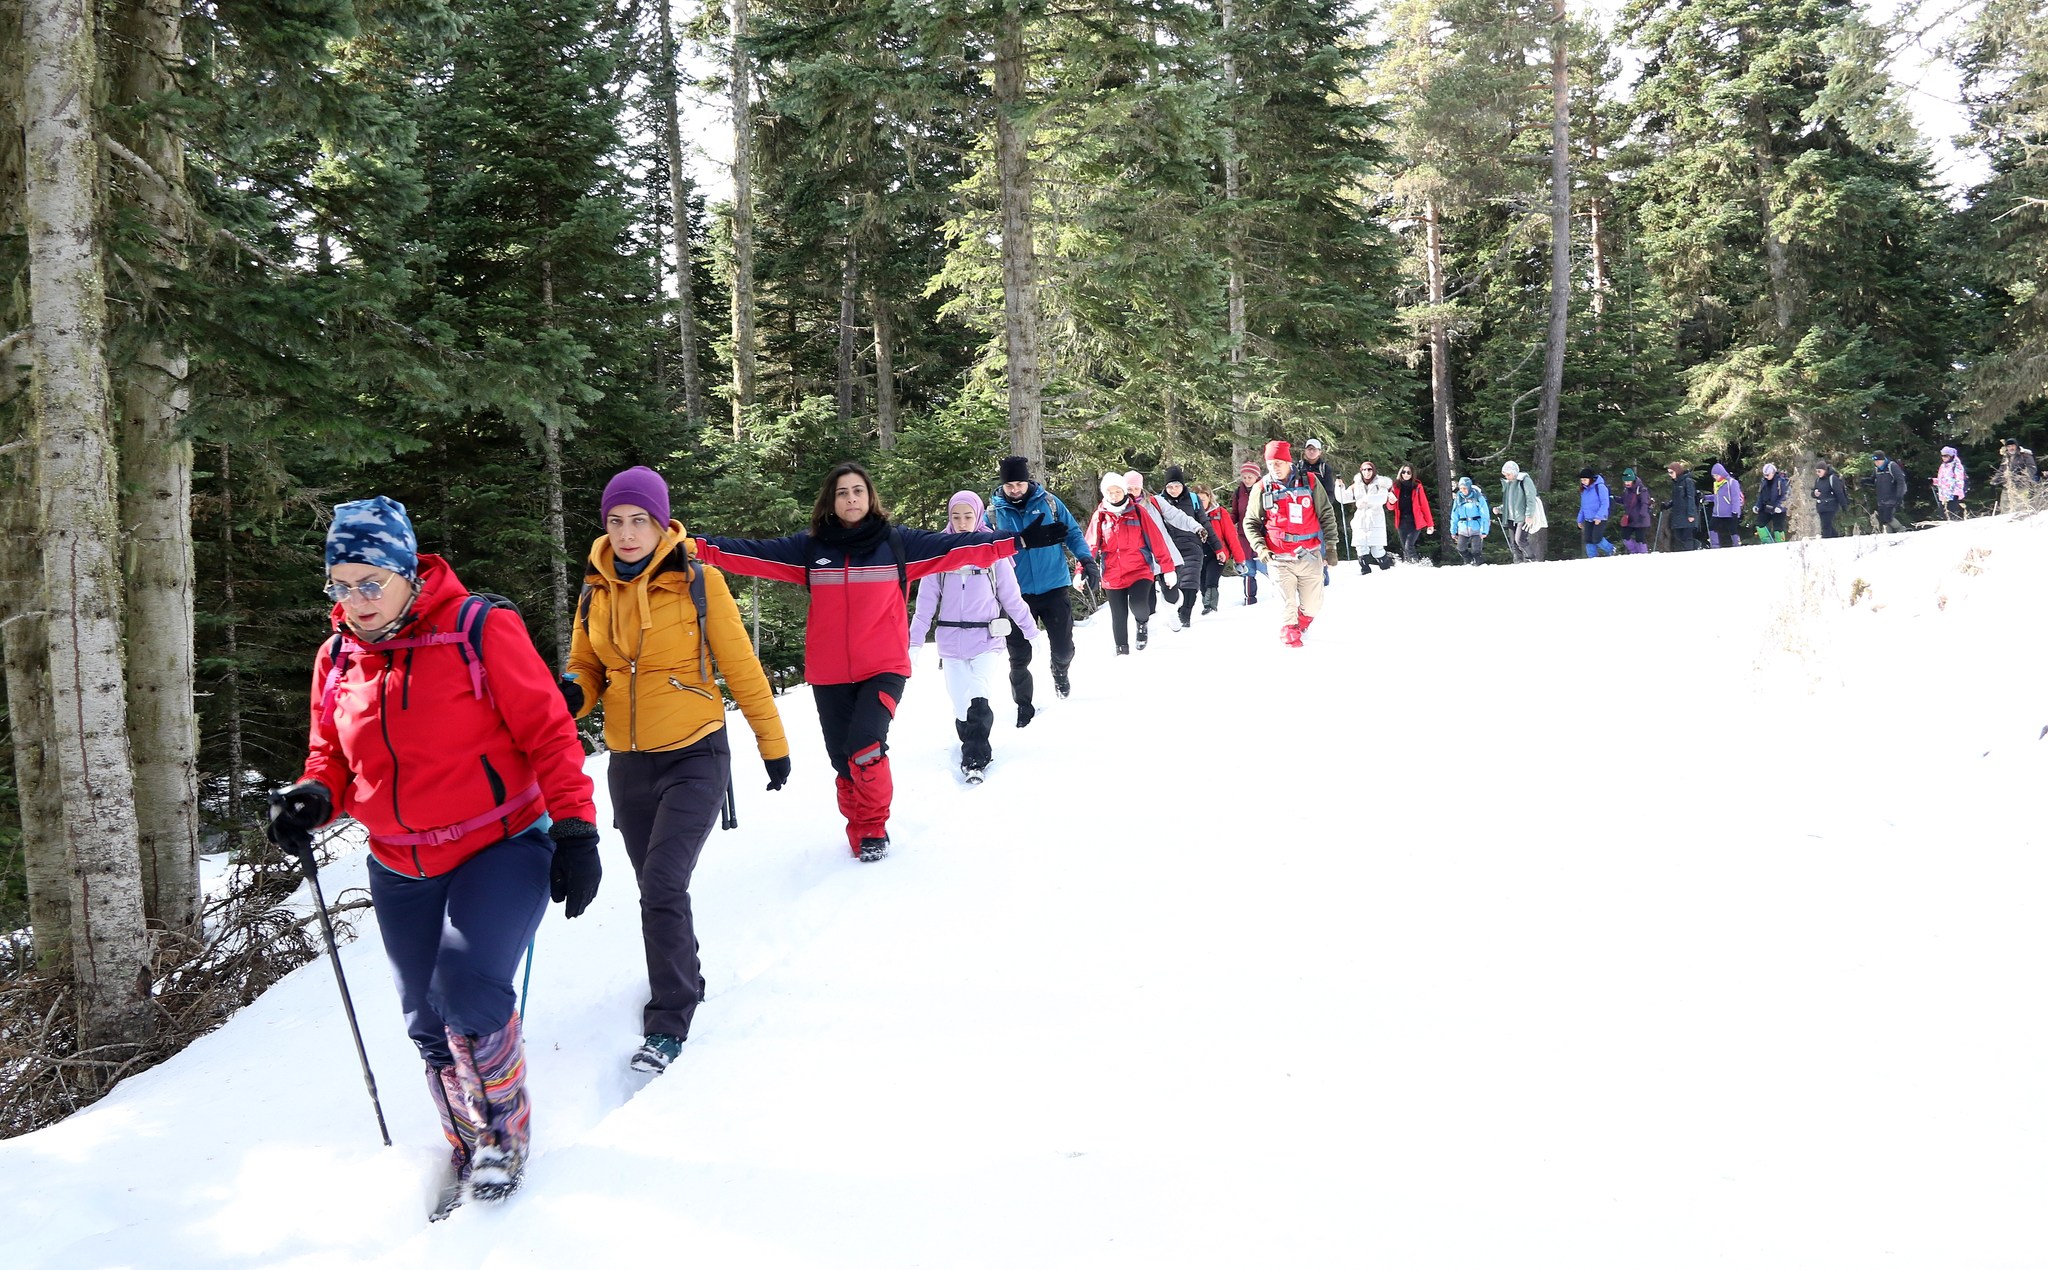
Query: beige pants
{"x": 1300, "y": 579}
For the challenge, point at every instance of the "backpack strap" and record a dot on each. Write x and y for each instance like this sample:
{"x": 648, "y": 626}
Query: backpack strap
{"x": 583, "y": 607}
{"x": 337, "y": 663}
{"x": 469, "y": 619}
{"x": 902, "y": 563}
{"x": 703, "y": 637}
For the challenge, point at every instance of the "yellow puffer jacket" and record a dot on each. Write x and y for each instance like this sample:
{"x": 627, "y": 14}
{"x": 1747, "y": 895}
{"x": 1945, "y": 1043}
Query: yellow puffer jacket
{"x": 636, "y": 648}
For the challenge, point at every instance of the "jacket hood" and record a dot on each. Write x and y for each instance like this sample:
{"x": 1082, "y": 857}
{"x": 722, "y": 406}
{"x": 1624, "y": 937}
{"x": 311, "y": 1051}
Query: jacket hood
{"x": 1770, "y": 470}
{"x": 1720, "y": 472}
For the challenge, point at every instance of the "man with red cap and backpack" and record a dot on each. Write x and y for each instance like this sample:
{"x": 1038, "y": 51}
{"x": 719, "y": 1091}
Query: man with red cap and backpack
{"x": 1288, "y": 520}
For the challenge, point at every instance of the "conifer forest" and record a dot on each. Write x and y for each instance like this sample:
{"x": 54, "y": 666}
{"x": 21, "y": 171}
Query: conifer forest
{"x": 264, "y": 256}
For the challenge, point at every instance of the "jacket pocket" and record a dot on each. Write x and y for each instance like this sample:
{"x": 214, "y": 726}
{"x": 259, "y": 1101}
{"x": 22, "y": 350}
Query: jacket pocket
{"x": 674, "y": 682}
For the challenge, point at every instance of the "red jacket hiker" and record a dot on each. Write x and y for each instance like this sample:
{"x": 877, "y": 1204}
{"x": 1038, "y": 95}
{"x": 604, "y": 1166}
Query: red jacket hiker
{"x": 1120, "y": 540}
{"x": 410, "y": 748}
{"x": 1225, "y": 533}
{"x": 1411, "y": 506}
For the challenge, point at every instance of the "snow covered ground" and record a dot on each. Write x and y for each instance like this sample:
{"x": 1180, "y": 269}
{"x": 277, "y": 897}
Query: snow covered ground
{"x": 1654, "y": 912}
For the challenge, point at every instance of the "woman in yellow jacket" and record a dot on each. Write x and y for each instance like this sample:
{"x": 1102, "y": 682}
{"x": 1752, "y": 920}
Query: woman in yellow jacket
{"x": 639, "y": 649}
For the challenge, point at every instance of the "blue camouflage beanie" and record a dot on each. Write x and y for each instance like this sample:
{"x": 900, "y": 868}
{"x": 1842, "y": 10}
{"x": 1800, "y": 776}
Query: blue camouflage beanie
{"x": 376, "y": 532}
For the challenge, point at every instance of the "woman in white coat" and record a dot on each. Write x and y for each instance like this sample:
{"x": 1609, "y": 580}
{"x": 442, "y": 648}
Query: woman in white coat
{"x": 1370, "y": 494}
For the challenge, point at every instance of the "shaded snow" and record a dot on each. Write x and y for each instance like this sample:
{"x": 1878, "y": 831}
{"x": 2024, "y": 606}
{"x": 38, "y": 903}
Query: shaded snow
{"x": 1664, "y": 911}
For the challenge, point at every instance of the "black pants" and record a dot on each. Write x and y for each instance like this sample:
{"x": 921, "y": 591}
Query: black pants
{"x": 1636, "y": 533}
{"x": 664, "y": 805}
{"x": 1888, "y": 519}
{"x": 1409, "y": 539}
{"x": 1774, "y": 521}
{"x": 1952, "y": 509}
{"x": 1827, "y": 522}
{"x": 1054, "y": 614}
{"x": 1190, "y": 591}
{"x": 1681, "y": 539}
{"x": 1134, "y": 600}
{"x": 855, "y": 718}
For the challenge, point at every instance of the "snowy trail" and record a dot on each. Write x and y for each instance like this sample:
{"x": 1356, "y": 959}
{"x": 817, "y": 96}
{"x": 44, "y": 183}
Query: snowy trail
{"x": 1697, "y": 924}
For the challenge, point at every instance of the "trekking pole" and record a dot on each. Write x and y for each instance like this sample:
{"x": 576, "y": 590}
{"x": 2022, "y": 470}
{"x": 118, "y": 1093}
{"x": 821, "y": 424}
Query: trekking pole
{"x": 312, "y": 872}
{"x": 729, "y": 814}
{"x": 526, "y": 980}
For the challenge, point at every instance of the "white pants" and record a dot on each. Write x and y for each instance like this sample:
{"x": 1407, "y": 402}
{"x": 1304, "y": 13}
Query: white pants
{"x": 971, "y": 677}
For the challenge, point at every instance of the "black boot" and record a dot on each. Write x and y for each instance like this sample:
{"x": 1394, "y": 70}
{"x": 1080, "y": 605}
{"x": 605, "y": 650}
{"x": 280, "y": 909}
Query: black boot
{"x": 1142, "y": 637}
{"x": 1059, "y": 679}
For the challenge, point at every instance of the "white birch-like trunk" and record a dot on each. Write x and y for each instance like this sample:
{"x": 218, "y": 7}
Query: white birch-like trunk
{"x": 679, "y": 187}
{"x": 849, "y": 345}
{"x": 81, "y": 541}
{"x": 156, "y": 512}
{"x": 557, "y": 523}
{"x": 1243, "y": 446}
{"x": 885, "y": 372}
{"x": 741, "y": 76}
{"x": 1443, "y": 420}
{"x": 1020, "y": 284}
{"x": 24, "y": 645}
{"x": 1560, "y": 244}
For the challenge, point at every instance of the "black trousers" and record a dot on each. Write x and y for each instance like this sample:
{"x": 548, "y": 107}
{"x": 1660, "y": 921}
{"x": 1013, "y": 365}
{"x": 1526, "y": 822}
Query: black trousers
{"x": 1827, "y": 522}
{"x": 664, "y": 805}
{"x": 855, "y": 718}
{"x": 1134, "y": 600}
{"x": 1054, "y": 613}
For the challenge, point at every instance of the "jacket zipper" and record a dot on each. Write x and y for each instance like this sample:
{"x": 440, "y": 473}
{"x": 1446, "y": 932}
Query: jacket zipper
{"x": 633, "y": 693}
{"x": 677, "y": 683}
{"x": 384, "y": 727}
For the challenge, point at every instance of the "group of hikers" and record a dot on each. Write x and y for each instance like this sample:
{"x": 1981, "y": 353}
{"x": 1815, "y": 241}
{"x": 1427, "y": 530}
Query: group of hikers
{"x": 437, "y": 726}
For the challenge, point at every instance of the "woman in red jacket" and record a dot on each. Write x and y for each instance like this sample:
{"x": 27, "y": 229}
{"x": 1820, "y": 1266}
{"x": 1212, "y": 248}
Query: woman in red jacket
{"x": 438, "y": 727}
{"x": 1226, "y": 552}
{"x": 1410, "y": 502}
{"x": 1130, "y": 541}
{"x": 858, "y": 568}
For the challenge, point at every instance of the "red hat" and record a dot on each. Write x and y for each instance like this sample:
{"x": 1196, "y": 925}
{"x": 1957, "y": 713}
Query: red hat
{"x": 1279, "y": 451}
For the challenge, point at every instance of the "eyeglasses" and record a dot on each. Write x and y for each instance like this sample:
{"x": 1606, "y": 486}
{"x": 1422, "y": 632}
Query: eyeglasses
{"x": 371, "y": 590}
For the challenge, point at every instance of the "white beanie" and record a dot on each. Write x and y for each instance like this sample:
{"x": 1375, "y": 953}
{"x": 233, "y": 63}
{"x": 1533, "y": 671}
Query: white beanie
{"x": 1109, "y": 479}
{"x": 1510, "y": 469}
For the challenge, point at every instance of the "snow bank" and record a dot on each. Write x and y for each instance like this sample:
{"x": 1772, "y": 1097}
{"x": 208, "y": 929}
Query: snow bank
{"x": 1665, "y": 911}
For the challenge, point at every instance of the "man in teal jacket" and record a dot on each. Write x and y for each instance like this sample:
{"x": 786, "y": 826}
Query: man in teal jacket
{"x": 1046, "y": 531}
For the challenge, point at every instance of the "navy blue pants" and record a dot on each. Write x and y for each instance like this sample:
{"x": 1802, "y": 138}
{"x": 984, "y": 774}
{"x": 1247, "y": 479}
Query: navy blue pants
{"x": 455, "y": 940}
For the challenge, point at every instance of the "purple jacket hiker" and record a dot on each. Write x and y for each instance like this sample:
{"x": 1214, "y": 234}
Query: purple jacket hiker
{"x": 973, "y": 596}
{"x": 1727, "y": 493}
{"x": 1638, "y": 509}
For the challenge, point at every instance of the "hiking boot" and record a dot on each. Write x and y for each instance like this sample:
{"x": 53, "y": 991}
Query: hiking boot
{"x": 1027, "y": 712}
{"x": 1142, "y": 637}
{"x": 1059, "y": 681}
{"x": 656, "y": 1053}
{"x": 1290, "y": 635}
{"x": 873, "y": 849}
{"x": 1123, "y": 650}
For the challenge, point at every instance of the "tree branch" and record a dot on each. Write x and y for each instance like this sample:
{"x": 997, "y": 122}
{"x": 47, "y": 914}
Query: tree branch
{"x": 155, "y": 178}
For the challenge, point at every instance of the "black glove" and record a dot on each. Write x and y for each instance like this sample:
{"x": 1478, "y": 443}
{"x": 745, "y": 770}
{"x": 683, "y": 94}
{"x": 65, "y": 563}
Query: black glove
{"x": 572, "y": 695}
{"x": 1091, "y": 572}
{"x": 294, "y": 814}
{"x": 1045, "y": 534}
{"x": 778, "y": 772}
{"x": 572, "y": 881}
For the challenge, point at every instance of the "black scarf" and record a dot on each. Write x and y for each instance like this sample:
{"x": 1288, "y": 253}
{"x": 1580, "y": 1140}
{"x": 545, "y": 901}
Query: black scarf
{"x": 854, "y": 540}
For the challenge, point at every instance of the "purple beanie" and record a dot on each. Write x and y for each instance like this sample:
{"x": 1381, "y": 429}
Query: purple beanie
{"x": 640, "y": 487}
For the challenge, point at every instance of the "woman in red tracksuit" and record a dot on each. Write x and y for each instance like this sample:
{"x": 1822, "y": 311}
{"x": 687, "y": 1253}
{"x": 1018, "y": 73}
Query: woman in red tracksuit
{"x": 1132, "y": 545}
{"x": 439, "y": 728}
{"x": 858, "y": 568}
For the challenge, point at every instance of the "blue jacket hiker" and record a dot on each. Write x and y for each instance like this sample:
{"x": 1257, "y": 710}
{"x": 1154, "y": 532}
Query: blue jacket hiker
{"x": 1596, "y": 508}
{"x": 1046, "y": 532}
{"x": 1470, "y": 521}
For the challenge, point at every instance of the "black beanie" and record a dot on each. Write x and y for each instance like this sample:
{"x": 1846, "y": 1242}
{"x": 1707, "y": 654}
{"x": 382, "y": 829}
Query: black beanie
{"x": 1014, "y": 468}
{"x": 1588, "y": 474}
{"x": 1174, "y": 476}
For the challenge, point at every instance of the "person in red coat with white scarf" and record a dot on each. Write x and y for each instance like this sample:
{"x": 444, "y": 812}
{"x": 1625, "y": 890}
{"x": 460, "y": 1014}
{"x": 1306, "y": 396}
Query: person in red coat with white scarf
{"x": 1130, "y": 541}
{"x": 440, "y": 729}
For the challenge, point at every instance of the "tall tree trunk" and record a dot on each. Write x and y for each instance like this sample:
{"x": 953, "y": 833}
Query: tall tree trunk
{"x": 1560, "y": 244}
{"x": 1243, "y": 446}
{"x": 1777, "y": 259}
{"x": 1443, "y": 421}
{"x": 557, "y": 526}
{"x": 679, "y": 187}
{"x": 230, "y": 644}
{"x": 849, "y": 346}
{"x": 741, "y": 76}
{"x": 1020, "y": 283}
{"x": 1596, "y": 216}
{"x": 81, "y": 542}
{"x": 885, "y": 371}
{"x": 156, "y": 507}
{"x": 24, "y": 643}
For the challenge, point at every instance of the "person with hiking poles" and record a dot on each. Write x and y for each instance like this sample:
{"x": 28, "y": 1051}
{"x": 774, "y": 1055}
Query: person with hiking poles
{"x": 1951, "y": 483}
{"x": 1226, "y": 549}
{"x": 438, "y": 727}
{"x": 653, "y": 629}
{"x": 858, "y": 567}
{"x": 1638, "y": 513}
{"x": 1684, "y": 505}
{"x": 1773, "y": 496}
{"x": 1240, "y": 499}
{"x": 1046, "y": 534}
{"x": 975, "y": 611}
{"x": 1470, "y": 522}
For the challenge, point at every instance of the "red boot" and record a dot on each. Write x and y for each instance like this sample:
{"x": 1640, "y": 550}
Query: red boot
{"x": 1290, "y": 635}
{"x": 1303, "y": 621}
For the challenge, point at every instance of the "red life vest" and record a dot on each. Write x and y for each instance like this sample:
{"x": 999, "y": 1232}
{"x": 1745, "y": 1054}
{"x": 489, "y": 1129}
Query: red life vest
{"x": 1292, "y": 525}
